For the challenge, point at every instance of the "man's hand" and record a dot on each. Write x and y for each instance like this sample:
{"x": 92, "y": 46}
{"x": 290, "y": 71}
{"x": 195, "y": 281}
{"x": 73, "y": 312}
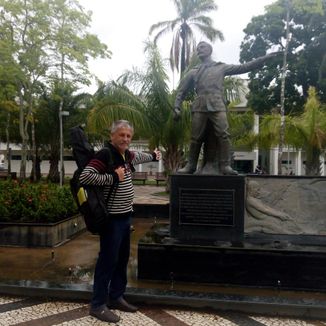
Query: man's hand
{"x": 158, "y": 154}
{"x": 176, "y": 113}
{"x": 121, "y": 173}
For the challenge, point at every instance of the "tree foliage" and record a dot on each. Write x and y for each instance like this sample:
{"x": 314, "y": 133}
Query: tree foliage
{"x": 306, "y": 57}
{"x": 43, "y": 41}
{"x": 47, "y": 116}
{"x": 306, "y": 131}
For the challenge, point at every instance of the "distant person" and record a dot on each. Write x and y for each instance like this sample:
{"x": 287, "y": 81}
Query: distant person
{"x": 110, "y": 278}
{"x": 209, "y": 119}
{"x": 258, "y": 170}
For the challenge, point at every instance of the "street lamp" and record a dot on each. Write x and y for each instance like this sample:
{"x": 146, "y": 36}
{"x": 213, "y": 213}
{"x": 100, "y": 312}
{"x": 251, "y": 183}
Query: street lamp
{"x": 61, "y": 114}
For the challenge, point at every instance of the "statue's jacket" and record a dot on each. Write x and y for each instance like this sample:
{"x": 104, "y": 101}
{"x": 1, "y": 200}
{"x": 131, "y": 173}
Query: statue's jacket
{"x": 207, "y": 80}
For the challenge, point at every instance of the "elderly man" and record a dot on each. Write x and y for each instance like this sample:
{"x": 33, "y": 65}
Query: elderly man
{"x": 112, "y": 168}
{"x": 209, "y": 119}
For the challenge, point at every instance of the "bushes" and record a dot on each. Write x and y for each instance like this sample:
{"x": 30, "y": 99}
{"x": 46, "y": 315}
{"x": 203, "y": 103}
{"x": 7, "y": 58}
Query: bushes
{"x": 26, "y": 202}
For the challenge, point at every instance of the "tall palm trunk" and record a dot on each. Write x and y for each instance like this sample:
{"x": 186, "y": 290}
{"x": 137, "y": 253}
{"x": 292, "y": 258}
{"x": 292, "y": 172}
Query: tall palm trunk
{"x": 24, "y": 136}
{"x": 183, "y": 35}
{"x": 34, "y": 154}
{"x": 313, "y": 161}
{"x": 53, "y": 175}
{"x": 8, "y": 143}
{"x": 282, "y": 127}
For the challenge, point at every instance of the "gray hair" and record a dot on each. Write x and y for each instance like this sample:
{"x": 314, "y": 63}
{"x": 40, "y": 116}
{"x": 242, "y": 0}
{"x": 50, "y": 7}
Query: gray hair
{"x": 121, "y": 124}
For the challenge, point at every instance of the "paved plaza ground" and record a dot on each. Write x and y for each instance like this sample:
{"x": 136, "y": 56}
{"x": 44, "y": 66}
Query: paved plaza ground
{"x": 35, "y": 312}
{"x": 27, "y": 273}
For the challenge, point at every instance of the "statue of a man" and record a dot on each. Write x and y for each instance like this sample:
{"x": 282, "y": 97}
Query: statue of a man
{"x": 209, "y": 119}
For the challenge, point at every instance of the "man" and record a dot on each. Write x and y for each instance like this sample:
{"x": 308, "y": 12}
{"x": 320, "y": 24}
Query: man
{"x": 209, "y": 119}
{"x": 110, "y": 278}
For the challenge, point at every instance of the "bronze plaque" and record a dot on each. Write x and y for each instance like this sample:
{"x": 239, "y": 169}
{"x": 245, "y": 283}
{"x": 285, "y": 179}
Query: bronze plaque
{"x": 206, "y": 206}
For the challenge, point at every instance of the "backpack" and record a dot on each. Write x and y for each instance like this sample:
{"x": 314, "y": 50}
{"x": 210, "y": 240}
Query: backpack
{"x": 89, "y": 199}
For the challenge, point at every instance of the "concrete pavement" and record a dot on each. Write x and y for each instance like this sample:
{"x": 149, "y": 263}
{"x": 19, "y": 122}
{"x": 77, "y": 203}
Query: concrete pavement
{"x": 24, "y": 311}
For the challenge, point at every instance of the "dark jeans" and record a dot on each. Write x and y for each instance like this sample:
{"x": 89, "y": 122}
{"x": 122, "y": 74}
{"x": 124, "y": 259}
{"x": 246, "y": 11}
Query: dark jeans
{"x": 110, "y": 278}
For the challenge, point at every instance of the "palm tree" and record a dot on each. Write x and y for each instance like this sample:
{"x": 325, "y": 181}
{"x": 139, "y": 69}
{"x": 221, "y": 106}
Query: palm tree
{"x": 189, "y": 13}
{"x": 114, "y": 101}
{"x": 154, "y": 91}
{"x": 309, "y": 132}
{"x": 306, "y": 131}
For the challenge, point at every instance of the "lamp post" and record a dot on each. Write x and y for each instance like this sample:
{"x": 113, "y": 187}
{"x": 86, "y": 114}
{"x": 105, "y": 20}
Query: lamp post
{"x": 61, "y": 114}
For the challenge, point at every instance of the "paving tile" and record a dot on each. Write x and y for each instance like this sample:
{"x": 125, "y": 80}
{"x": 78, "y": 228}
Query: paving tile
{"x": 127, "y": 319}
{"x": 14, "y": 317}
{"x": 57, "y": 317}
{"x": 194, "y": 318}
{"x": 162, "y": 317}
{"x": 18, "y": 304}
{"x": 4, "y": 300}
{"x": 271, "y": 321}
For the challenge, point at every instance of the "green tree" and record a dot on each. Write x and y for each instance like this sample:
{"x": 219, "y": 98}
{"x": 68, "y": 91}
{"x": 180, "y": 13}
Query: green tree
{"x": 23, "y": 28}
{"x": 305, "y": 60}
{"x": 47, "y": 41}
{"x": 162, "y": 130}
{"x": 114, "y": 101}
{"x": 71, "y": 47}
{"x": 47, "y": 116}
{"x": 8, "y": 106}
{"x": 306, "y": 132}
{"x": 189, "y": 14}
{"x": 309, "y": 132}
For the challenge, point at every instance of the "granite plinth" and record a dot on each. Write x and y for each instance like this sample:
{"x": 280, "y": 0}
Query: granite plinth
{"x": 259, "y": 265}
{"x": 207, "y": 207}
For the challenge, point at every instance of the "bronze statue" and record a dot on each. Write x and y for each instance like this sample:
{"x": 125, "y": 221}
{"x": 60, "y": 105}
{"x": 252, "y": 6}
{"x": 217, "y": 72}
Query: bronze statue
{"x": 209, "y": 120}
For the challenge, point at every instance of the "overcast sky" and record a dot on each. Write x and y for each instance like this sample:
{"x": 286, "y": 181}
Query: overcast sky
{"x": 124, "y": 24}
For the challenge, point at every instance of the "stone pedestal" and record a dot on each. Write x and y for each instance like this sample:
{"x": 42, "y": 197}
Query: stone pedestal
{"x": 205, "y": 240}
{"x": 207, "y": 208}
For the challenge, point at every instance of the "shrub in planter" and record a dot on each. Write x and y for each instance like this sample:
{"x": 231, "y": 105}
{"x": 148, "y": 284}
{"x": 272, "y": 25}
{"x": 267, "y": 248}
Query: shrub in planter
{"x": 28, "y": 202}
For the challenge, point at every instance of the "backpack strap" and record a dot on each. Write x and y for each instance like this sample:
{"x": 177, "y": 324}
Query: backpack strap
{"x": 105, "y": 155}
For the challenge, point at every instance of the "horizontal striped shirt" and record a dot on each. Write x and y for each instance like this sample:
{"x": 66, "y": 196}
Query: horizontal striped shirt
{"x": 122, "y": 193}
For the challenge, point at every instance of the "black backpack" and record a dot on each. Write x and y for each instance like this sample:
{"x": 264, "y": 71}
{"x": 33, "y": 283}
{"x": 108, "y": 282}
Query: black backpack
{"x": 90, "y": 199}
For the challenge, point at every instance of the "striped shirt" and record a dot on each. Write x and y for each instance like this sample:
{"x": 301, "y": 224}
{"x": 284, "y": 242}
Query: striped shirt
{"x": 97, "y": 172}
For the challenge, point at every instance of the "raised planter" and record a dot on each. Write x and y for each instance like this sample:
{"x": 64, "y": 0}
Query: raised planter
{"x": 40, "y": 234}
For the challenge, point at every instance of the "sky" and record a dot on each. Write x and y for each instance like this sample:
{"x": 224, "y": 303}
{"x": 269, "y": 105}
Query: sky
{"x": 123, "y": 26}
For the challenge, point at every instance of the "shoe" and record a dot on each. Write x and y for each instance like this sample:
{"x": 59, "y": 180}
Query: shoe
{"x": 122, "y": 304}
{"x": 104, "y": 314}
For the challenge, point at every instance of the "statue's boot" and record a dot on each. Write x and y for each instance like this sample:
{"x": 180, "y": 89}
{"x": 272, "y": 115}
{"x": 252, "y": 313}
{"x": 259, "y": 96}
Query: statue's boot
{"x": 191, "y": 166}
{"x": 225, "y": 161}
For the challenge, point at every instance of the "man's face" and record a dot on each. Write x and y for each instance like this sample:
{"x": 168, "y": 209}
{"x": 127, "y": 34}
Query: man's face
{"x": 121, "y": 139}
{"x": 204, "y": 50}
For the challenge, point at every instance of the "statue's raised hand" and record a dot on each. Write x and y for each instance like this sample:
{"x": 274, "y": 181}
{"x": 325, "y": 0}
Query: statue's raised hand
{"x": 275, "y": 54}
